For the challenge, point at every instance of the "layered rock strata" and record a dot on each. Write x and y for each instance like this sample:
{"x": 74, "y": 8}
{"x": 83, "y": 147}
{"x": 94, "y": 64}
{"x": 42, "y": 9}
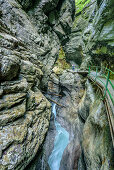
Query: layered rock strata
{"x": 29, "y": 45}
{"x": 92, "y": 37}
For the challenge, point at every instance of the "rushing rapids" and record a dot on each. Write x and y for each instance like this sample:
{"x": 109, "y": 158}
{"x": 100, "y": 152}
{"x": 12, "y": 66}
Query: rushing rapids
{"x": 60, "y": 143}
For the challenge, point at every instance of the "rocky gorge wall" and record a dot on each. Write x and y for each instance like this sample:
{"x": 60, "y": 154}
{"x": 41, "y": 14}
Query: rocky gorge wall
{"x": 30, "y": 38}
{"x": 92, "y": 34}
{"x": 82, "y": 113}
{"x": 91, "y": 43}
{"x": 71, "y": 87}
{"x": 84, "y": 117}
{"x": 36, "y": 38}
{"x": 96, "y": 142}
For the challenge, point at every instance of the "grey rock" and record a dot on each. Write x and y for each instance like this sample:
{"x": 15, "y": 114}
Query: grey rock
{"x": 9, "y": 67}
{"x": 92, "y": 34}
{"x": 29, "y": 48}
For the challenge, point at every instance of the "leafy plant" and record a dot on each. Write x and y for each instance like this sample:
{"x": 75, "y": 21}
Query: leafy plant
{"x": 80, "y": 4}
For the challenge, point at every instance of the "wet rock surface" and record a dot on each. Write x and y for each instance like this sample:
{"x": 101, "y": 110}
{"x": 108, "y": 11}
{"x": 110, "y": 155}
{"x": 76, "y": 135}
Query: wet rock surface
{"x": 31, "y": 36}
{"x": 83, "y": 115}
{"x": 28, "y": 50}
{"x": 70, "y": 97}
{"x": 92, "y": 34}
{"x": 96, "y": 139}
{"x": 24, "y": 120}
{"x": 28, "y": 34}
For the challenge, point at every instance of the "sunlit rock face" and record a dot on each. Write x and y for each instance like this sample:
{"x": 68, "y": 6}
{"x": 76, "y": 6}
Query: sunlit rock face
{"x": 28, "y": 50}
{"x": 92, "y": 34}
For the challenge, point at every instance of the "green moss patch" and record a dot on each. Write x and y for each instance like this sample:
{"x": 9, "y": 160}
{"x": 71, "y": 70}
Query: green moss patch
{"x": 61, "y": 62}
{"x": 102, "y": 50}
{"x": 80, "y": 4}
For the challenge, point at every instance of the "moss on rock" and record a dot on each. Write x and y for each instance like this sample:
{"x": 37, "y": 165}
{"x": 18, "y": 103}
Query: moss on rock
{"x": 80, "y": 4}
{"x": 61, "y": 63}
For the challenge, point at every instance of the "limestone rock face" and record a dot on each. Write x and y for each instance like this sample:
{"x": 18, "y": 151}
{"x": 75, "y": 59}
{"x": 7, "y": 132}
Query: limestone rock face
{"x": 25, "y": 24}
{"x": 9, "y": 67}
{"x": 75, "y": 48}
{"x": 24, "y": 121}
{"x": 28, "y": 50}
{"x": 92, "y": 34}
{"x": 96, "y": 138}
{"x": 70, "y": 86}
{"x": 24, "y": 112}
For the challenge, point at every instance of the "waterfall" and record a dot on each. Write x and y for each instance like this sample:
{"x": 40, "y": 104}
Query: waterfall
{"x": 60, "y": 143}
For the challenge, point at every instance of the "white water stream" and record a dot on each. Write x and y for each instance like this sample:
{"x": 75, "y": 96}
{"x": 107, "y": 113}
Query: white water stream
{"x": 60, "y": 143}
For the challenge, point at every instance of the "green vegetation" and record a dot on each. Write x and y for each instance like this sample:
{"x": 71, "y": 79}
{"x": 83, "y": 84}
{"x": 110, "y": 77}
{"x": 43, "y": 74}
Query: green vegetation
{"x": 80, "y": 4}
{"x": 61, "y": 62}
{"x": 61, "y": 53}
{"x": 102, "y": 50}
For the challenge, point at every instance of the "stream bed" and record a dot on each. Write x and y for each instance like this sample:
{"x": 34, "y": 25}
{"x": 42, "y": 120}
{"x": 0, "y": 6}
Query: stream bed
{"x": 60, "y": 143}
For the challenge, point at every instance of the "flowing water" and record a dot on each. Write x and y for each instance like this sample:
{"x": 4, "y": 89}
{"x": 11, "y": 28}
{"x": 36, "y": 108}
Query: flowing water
{"x": 60, "y": 143}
